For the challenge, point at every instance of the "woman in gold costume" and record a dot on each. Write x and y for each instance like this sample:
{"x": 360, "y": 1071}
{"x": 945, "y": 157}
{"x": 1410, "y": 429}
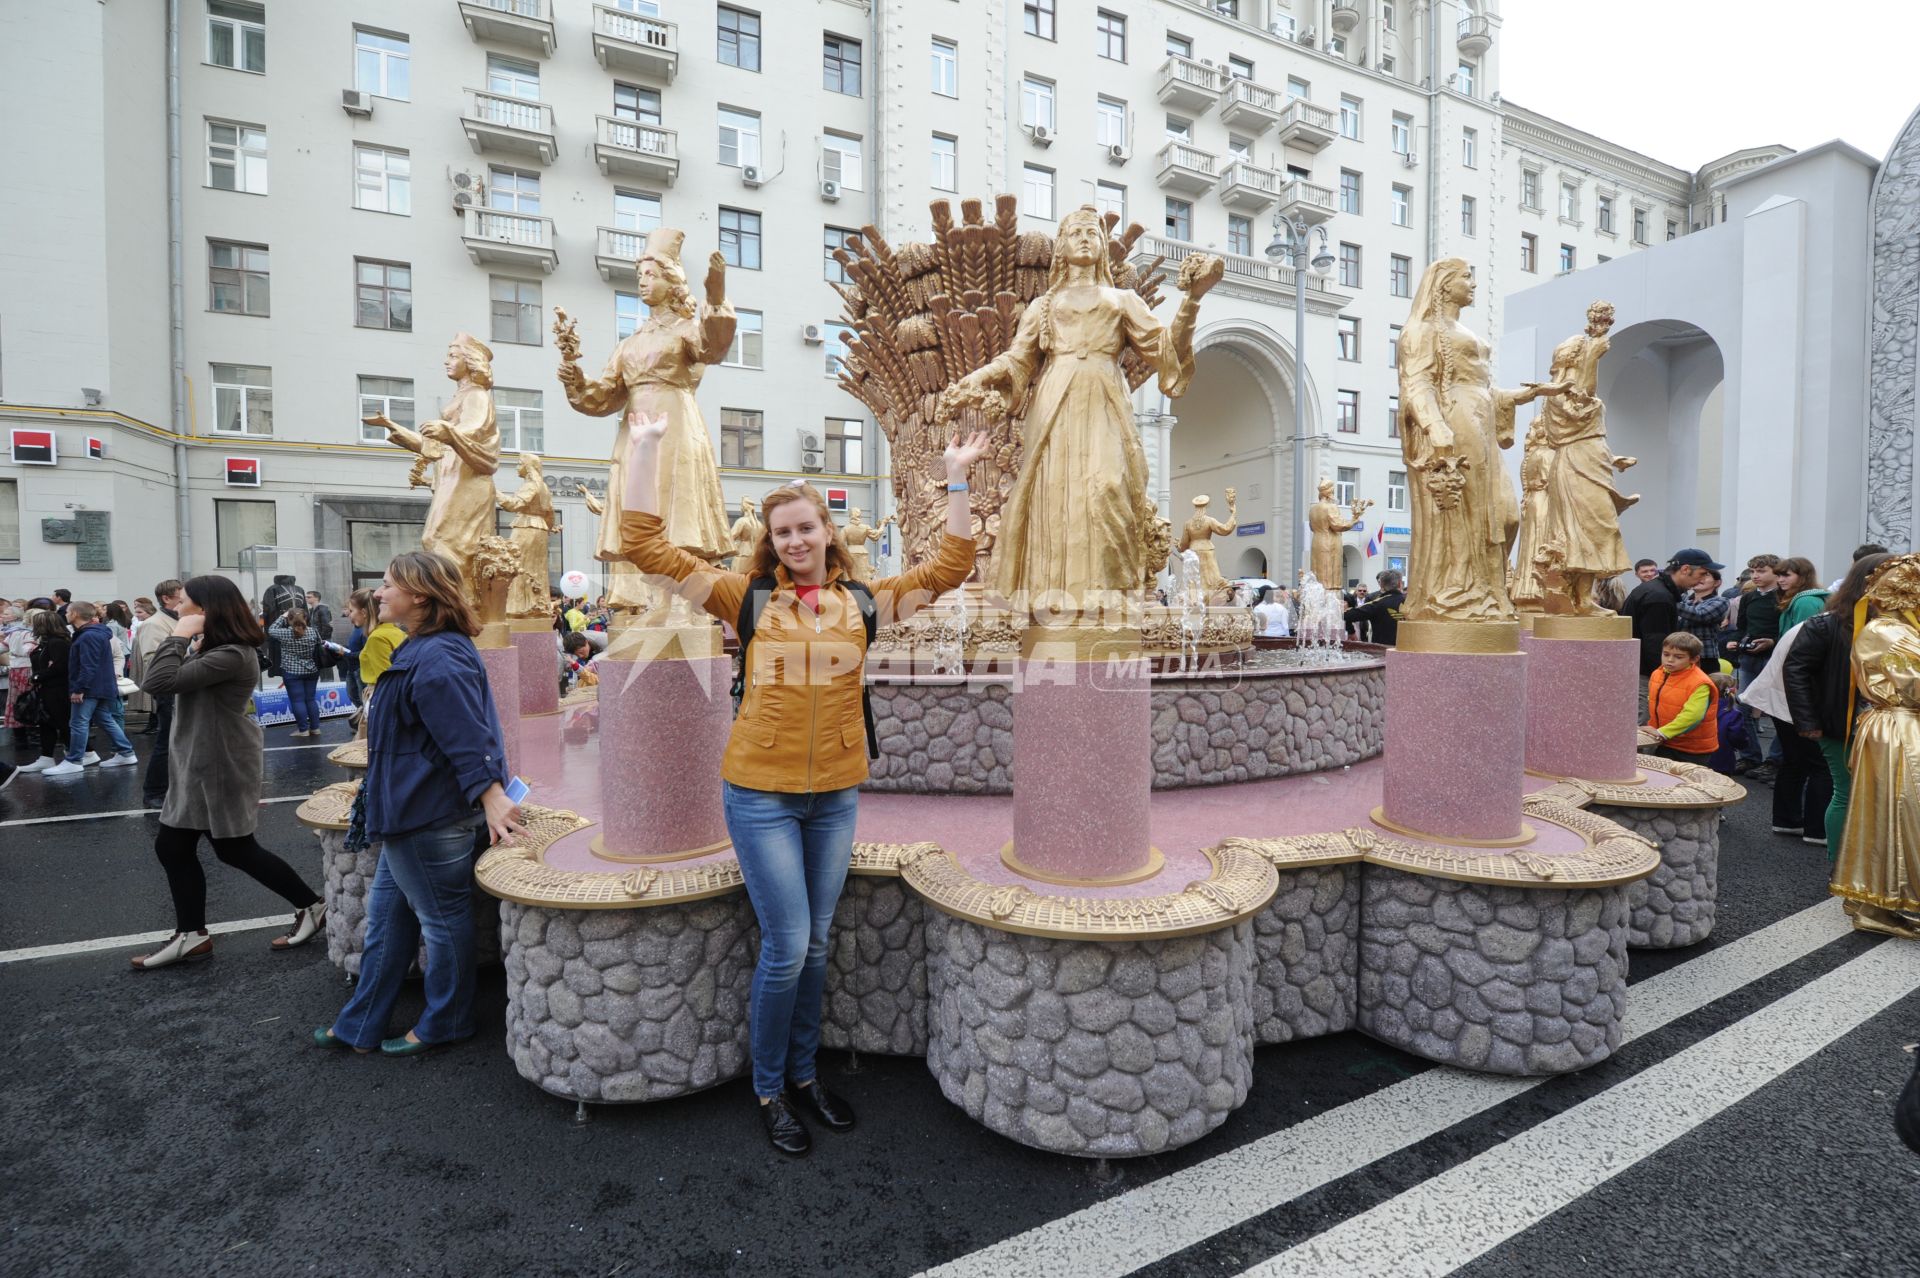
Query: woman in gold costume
{"x": 1075, "y": 525}
{"x": 654, "y": 373}
{"x": 1878, "y": 869}
{"x": 1453, "y": 424}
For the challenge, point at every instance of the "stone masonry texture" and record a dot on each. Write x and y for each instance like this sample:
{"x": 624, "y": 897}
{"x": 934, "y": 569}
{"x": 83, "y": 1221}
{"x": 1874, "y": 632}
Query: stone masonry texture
{"x": 876, "y": 999}
{"x": 348, "y": 875}
{"x": 1674, "y": 906}
{"x": 1306, "y": 955}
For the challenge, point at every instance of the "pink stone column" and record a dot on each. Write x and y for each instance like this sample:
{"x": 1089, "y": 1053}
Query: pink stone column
{"x": 664, "y": 724}
{"x": 503, "y": 678}
{"x": 539, "y": 666}
{"x": 1582, "y": 700}
{"x": 1456, "y": 744}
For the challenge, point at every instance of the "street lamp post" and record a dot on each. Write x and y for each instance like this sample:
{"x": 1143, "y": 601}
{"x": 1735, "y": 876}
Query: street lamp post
{"x": 1300, "y": 247}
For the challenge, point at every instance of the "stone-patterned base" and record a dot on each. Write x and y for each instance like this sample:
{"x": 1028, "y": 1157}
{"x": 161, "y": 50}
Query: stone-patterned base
{"x": 1093, "y": 1048}
{"x": 876, "y": 998}
{"x": 629, "y": 1005}
{"x": 1306, "y": 955}
{"x": 347, "y": 877}
{"x": 1499, "y": 979}
{"x": 1674, "y": 906}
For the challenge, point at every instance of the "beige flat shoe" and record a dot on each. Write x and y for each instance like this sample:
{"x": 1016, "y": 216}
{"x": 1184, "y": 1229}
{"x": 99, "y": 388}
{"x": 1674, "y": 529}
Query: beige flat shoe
{"x": 180, "y": 947}
{"x": 306, "y": 925}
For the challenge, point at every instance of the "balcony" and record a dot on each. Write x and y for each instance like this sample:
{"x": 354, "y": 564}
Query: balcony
{"x": 625, "y": 41}
{"x": 1250, "y": 108}
{"x": 615, "y": 252}
{"x": 500, "y": 125}
{"x": 1247, "y": 188}
{"x": 1475, "y": 36}
{"x": 495, "y": 236}
{"x": 1346, "y": 16}
{"x": 1309, "y": 127}
{"x": 524, "y": 24}
{"x": 1255, "y": 275}
{"x": 628, "y": 148}
{"x": 1189, "y": 85}
{"x": 1302, "y": 199}
{"x": 1186, "y": 168}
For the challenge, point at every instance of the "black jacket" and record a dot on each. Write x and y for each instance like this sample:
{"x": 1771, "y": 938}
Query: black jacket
{"x": 1817, "y": 670}
{"x": 49, "y": 662}
{"x": 1654, "y": 607}
{"x": 1378, "y": 619}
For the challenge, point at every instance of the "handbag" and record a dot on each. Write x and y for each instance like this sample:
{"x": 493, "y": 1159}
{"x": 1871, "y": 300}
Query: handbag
{"x": 29, "y": 706}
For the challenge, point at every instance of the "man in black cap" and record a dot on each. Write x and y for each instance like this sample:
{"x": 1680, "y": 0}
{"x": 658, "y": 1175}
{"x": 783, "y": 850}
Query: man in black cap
{"x": 1654, "y": 606}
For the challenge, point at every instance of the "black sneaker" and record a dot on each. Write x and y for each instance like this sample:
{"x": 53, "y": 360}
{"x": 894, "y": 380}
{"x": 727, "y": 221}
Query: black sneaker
{"x": 785, "y": 1131}
{"x": 825, "y": 1106}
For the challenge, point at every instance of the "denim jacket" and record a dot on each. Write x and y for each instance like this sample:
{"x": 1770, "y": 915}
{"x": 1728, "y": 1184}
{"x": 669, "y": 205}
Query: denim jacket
{"x": 433, "y": 740}
{"x": 90, "y": 663}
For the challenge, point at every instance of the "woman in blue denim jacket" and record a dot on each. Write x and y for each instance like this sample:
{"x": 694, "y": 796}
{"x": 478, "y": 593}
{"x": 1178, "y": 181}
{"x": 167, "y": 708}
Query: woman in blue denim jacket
{"x": 436, "y": 778}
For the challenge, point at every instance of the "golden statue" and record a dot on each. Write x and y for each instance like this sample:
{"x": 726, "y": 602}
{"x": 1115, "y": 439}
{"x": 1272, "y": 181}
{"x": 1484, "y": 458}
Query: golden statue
{"x": 627, "y": 590}
{"x": 857, "y": 534}
{"x": 1453, "y": 424}
{"x": 1075, "y": 525}
{"x": 461, "y": 512}
{"x": 1327, "y": 525}
{"x": 746, "y": 532}
{"x": 496, "y": 567}
{"x": 532, "y": 509}
{"x": 1570, "y": 510}
{"x": 655, "y": 372}
{"x": 1198, "y": 535}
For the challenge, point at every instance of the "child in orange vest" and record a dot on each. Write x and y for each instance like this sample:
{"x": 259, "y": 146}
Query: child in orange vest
{"x": 1682, "y": 702}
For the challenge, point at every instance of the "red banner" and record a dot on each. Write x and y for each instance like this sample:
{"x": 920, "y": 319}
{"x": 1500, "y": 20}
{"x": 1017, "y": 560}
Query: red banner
{"x": 35, "y": 448}
{"x": 243, "y": 472}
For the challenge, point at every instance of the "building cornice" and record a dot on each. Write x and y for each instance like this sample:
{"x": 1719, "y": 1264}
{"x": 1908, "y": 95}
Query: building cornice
{"x": 1559, "y": 142}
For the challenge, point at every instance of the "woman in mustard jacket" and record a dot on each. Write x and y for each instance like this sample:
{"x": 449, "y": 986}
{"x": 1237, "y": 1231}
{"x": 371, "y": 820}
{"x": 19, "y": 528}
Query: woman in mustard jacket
{"x": 796, "y": 758}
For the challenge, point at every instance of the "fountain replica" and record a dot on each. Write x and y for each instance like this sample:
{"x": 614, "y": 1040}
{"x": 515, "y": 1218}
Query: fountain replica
{"x": 1045, "y": 901}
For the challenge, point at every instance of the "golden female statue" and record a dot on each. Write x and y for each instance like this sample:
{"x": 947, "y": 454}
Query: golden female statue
{"x": 857, "y": 534}
{"x": 745, "y": 532}
{"x": 1076, "y": 522}
{"x": 461, "y": 511}
{"x": 1453, "y": 424}
{"x": 1327, "y": 525}
{"x": 626, "y": 587}
{"x": 1198, "y": 535}
{"x": 532, "y": 510}
{"x": 654, "y": 373}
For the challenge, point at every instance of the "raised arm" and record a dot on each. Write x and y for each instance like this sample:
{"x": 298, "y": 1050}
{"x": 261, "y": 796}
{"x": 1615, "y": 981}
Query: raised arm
{"x": 717, "y": 318}
{"x": 643, "y": 534}
{"x": 169, "y": 673}
{"x": 471, "y": 432}
{"x": 601, "y": 396}
{"x": 898, "y": 598}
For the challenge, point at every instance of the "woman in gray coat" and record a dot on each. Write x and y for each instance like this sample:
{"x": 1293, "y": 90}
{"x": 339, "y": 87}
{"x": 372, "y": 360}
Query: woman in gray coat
{"x": 208, "y": 666}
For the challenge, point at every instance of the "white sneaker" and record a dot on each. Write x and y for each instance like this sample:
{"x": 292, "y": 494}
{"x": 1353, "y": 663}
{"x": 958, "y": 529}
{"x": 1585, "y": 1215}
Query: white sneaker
{"x": 120, "y": 761}
{"x": 89, "y": 759}
{"x": 64, "y": 768}
{"x": 39, "y": 765}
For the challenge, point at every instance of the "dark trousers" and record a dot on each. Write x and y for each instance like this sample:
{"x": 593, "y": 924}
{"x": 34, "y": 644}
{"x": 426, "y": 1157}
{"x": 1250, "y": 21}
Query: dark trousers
{"x": 1802, "y": 788}
{"x": 53, "y": 731}
{"x": 154, "y": 787}
{"x": 179, "y": 855}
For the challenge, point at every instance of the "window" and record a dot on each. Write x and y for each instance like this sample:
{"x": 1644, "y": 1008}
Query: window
{"x": 239, "y": 524}
{"x": 1393, "y": 348}
{"x": 389, "y": 397}
{"x": 1349, "y": 191}
{"x": 1402, "y": 134}
{"x": 1393, "y": 417}
{"x": 832, "y": 238}
{"x": 381, "y": 64}
{"x": 1386, "y": 14}
{"x": 513, "y": 78}
{"x": 242, "y": 400}
{"x": 1569, "y": 201}
{"x": 739, "y": 138}
{"x": 840, "y": 161}
{"x": 836, "y": 345}
{"x": 1396, "y": 490}
{"x": 1227, "y": 8}
{"x": 1467, "y": 210}
{"x": 1529, "y": 189}
{"x": 1386, "y": 66}
{"x": 631, "y": 102}
{"x": 237, "y": 278}
{"x": 1238, "y": 147}
{"x": 1039, "y": 18}
{"x": 236, "y": 157}
{"x": 1337, "y": 46}
{"x": 1463, "y": 79}
{"x": 1603, "y": 214}
{"x": 628, "y": 314}
{"x": 1402, "y": 206}
{"x": 512, "y": 191}
{"x": 1239, "y": 68}
{"x": 749, "y": 341}
{"x": 1470, "y": 148}
{"x": 1400, "y": 275}
{"x": 9, "y": 521}
{"x": 237, "y": 36}
{"x": 1036, "y": 103}
{"x": 742, "y": 434}
{"x": 1347, "y": 418}
{"x": 946, "y": 68}
{"x": 840, "y": 65}
{"x": 1639, "y": 226}
{"x": 740, "y": 238}
{"x": 383, "y": 295}
{"x": 1036, "y": 191}
{"x": 1110, "y": 36}
{"x": 1346, "y": 484}
{"x": 1298, "y": 88}
{"x": 846, "y": 442}
{"x": 1284, "y": 26}
{"x": 515, "y": 309}
{"x": 1349, "y": 117}
{"x": 1179, "y": 46}
{"x": 739, "y": 35}
{"x": 382, "y": 180}
{"x": 521, "y": 420}
{"x": 1179, "y": 129}
{"x": 1349, "y": 326}
{"x": 1179, "y": 220}
{"x": 1566, "y": 258}
{"x": 1349, "y": 265}
{"x": 635, "y": 211}
{"x": 1110, "y": 122}
{"x": 946, "y": 163}
{"x": 1111, "y": 197}
{"x": 1529, "y": 252}
{"x": 1240, "y": 234}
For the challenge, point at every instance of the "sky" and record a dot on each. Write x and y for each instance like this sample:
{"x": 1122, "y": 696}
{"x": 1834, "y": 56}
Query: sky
{"x": 1687, "y": 81}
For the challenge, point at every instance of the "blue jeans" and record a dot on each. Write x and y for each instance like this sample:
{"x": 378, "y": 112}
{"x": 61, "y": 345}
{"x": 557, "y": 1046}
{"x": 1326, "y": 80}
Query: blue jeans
{"x": 300, "y": 696}
{"x": 112, "y": 713}
{"x": 1749, "y": 749}
{"x": 424, "y": 885}
{"x": 793, "y": 850}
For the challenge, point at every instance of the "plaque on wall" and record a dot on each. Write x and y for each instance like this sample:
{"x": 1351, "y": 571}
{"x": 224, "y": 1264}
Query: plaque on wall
{"x": 95, "y": 551}
{"x": 60, "y": 532}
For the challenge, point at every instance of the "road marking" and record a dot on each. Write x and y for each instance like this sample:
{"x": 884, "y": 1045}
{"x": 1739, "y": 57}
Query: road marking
{"x": 125, "y": 812}
{"x": 1432, "y": 1230}
{"x": 136, "y": 938}
{"x": 318, "y": 745}
{"x": 1144, "y": 1225}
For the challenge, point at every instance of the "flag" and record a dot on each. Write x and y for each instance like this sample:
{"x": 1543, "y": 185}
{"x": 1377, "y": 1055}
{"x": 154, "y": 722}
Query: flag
{"x": 1373, "y": 544}
{"x": 243, "y": 471}
{"x": 35, "y": 448}
{"x": 96, "y": 448}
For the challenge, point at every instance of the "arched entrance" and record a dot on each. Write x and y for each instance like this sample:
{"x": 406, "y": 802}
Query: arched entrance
{"x": 1661, "y": 382}
{"x": 1253, "y": 563}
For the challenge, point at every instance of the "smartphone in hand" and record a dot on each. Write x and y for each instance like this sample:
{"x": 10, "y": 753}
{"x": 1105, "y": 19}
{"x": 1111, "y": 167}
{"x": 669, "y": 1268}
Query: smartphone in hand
{"x": 517, "y": 790}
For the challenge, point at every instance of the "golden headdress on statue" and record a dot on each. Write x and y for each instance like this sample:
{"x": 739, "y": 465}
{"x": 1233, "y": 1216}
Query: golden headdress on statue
{"x": 1895, "y": 585}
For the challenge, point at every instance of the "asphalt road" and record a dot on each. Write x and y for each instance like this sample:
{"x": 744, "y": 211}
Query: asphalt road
{"x": 178, "y": 1122}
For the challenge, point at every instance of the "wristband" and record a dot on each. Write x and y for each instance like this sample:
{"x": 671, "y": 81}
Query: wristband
{"x": 960, "y": 487}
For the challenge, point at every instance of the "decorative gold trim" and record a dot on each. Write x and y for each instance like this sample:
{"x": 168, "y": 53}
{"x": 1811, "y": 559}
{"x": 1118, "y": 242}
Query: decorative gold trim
{"x": 1647, "y": 739}
{"x": 530, "y": 625}
{"x": 1155, "y": 863}
{"x": 587, "y": 694}
{"x": 519, "y": 872}
{"x": 351, "y": 755}
{"x": 1699, "y": 787}
{"x": 1562, "y": 793}
{"x": 888, "y": 860}
{"x": 1298, "y": 851}
{"x": 1472, "y": 637}
{"x": 1241, "y": 882}
{"x": 663, "y": 643}
{"x": 1527, "y": 834}
{"x": 1610, "y": 626}
{"x": 599, "y": 846}
{"x": 494, "y": 636}
{"x": 1088, "y": 642}
{"x": 330, "y": 807}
